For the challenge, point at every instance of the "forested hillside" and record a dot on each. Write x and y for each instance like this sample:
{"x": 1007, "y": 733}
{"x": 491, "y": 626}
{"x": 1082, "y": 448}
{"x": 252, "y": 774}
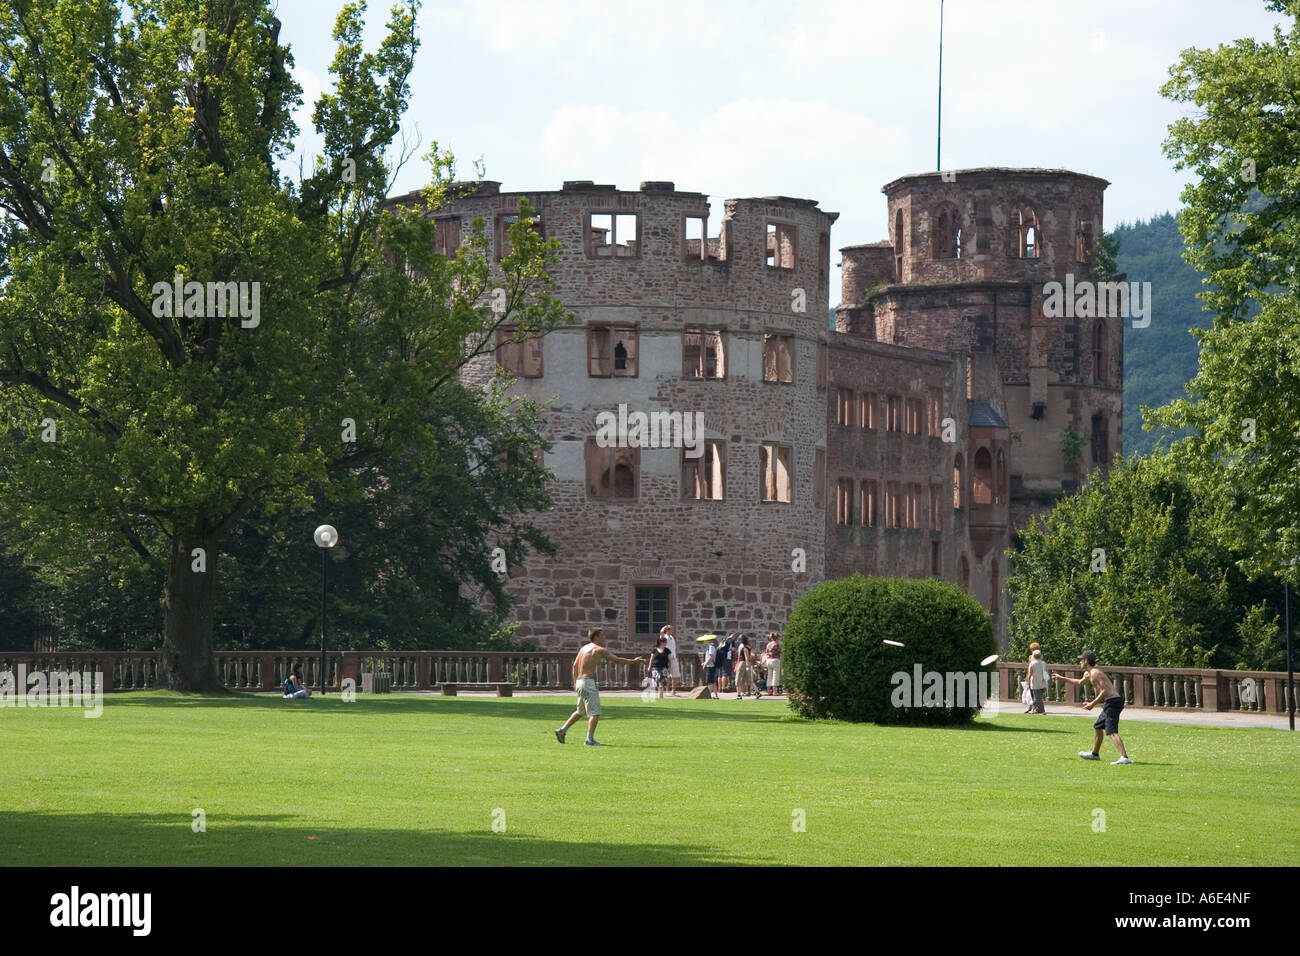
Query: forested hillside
{"x": 1159, "y": 359}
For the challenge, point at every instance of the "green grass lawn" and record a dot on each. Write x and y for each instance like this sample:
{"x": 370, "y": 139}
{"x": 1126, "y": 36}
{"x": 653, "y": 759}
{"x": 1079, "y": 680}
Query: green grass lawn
{"x": 417, "y": 780}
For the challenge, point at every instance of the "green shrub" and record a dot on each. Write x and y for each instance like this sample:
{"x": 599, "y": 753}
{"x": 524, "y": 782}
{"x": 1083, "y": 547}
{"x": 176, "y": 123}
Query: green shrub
{"x": 836, "y": 665}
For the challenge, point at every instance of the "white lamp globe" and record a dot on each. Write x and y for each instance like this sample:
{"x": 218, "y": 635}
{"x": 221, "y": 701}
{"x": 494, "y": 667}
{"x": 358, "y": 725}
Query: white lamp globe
{"x": 326, "y": 536}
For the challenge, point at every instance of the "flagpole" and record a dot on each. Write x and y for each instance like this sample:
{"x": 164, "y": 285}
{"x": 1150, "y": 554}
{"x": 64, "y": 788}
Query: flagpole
{"x": 938, "y": 137}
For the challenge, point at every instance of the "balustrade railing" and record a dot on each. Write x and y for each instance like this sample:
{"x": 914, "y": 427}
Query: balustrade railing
{"x": 1161, "y": 687}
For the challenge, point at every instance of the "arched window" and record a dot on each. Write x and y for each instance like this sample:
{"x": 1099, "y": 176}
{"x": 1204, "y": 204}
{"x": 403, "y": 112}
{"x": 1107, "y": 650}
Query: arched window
{"x": 945, "y": 228}
{"x": 898, "y": 245}
{"x": 1083, "y": 236}
{"x": 1000, "y": 489}
{"x": 958, "y": 482}
{"x": 983, "y": 492}
{"x": 1026, "y": 237}
{"x": 1099, "y": 352}
{"x": 995, "y": 586}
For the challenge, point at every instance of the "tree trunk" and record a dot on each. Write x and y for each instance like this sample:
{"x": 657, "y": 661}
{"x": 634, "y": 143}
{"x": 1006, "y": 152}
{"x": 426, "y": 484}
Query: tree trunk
{"x": 187, "y": 661}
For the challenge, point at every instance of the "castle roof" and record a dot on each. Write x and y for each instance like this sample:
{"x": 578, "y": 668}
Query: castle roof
{"x": 993, "y": 172}
{"x": 983, "y": 416}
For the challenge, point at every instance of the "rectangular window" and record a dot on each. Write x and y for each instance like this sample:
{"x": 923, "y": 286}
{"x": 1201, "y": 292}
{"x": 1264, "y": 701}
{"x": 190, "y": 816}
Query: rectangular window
{"x": 819, "y": 477}
{"x": 521, "y": 359}
{"x": 845, "y": 406}
{"x": 914, "y": 410}
{"x": 780, "y": 245}
{"x": 778, "y": 358}
{"x": 870, "y": 492}
{"x": 844, "y": 501}
{"x": 447, "y": 236}
{"x": 936, "y": 515}
{"x": 936, "y": 559}
{"x": 702, "y": 476}
{"x": 936, "y": 413}
{"x": 895, "y": 422}
{"x": 1100, "y": 440}
{"x": 612, "y": 472}
{"x": 774, "y": 461}
{"x": 611, "y": 351}
{"x": 695, "y": 243}
{"x": 914, "y": 506}
{"x": 870, "y": 410}
{"x": 702, "y": 355}
{"x": 892, "y": 508}
{"x": 613, "y": 235}
{"x": 502, "y": 238}
{"x": 824, "y": 254}
{"x": 650, "y": 609}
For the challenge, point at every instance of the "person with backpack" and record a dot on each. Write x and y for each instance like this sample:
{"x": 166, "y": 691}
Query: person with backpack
{"x": 711, "y": 667}
{"x": 724, "y": 662}
{"x": 293, "y": 686}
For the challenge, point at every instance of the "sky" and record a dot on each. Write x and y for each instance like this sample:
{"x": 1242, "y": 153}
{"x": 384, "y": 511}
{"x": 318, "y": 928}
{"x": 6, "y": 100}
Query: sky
{"x": 823, "y": 99}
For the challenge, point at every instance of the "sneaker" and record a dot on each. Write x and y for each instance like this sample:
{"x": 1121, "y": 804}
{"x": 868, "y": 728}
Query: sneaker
{"x": 559, "y": 735}
{"x": 1120, "y": 760}
{"x": 1088, "y": 755}
{"x": 593, "y": 743}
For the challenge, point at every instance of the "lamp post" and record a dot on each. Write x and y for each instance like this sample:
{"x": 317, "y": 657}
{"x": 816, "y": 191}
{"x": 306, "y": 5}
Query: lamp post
{"x": 326, "y": 537}
{"x": 1290, "y": 669}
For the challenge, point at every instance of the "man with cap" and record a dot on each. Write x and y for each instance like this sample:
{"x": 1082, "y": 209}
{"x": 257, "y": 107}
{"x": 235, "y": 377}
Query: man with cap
{"x": 1108, "y": 722}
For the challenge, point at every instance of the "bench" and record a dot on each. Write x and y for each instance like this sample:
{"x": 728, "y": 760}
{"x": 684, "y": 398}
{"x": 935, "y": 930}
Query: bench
{"x": 503, "y": 690}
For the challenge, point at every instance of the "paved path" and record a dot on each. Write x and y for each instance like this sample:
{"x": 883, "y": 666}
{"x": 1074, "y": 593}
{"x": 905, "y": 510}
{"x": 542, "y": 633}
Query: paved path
{"x": 1195, "y": 718}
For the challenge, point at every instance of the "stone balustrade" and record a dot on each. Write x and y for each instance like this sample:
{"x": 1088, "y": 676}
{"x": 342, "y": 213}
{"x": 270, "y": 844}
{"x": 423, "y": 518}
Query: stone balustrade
{"x": 1167, "y": 688}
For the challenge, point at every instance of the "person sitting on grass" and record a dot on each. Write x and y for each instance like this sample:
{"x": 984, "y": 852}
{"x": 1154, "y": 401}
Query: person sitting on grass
{"x": 1109, "y": 719}
{"x": 293, "y": 686}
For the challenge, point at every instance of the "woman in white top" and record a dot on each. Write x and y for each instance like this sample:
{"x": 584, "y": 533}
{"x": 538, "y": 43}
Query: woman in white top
{"x": 674, "y": 668}
{"x": 1038, "y": 678}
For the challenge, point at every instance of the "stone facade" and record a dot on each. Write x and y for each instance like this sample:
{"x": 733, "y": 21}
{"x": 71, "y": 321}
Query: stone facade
{"x": 910, "y": 441}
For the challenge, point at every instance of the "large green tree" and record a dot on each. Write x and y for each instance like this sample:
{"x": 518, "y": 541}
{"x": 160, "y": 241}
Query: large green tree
{"x": 1133, "y": 566}
{"x": 1242, "y": 229}
{"x": 140, "y": 147}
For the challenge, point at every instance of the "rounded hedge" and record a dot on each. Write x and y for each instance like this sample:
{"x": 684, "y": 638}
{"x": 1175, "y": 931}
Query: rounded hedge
{"x": 835, "y": 663}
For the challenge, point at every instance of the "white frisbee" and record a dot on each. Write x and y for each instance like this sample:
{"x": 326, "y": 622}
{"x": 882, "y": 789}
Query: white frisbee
{"x": 988, "y": 660}
{"x": 894, "y": 643}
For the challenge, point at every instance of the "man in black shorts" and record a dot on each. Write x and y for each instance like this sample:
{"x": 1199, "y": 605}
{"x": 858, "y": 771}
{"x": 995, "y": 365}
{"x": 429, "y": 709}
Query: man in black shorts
{"x": 1108, "y": 722}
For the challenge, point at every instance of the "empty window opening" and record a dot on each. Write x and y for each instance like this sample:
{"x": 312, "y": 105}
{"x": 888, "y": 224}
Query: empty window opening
{"x": 503, "y": 223}
{"x": 1083, "y": 237}
{"x": 844, "y": 406}
{"x": 983, "y": 488}
{"x": 1000, "y": 489}
{"x": 965, "y": 573}
{"x": 898, "y": 245}
{"x": 870, "y": 410}
{"x": 936, "y": 503}
{"x": 702, "y": 355}
{"x": 780, "y": 245}
{"x": 870, "y": 495}
{"x": 1028, "y": 236}
{"x": 894, "y": 422}
{"x": 819, "y": 477}
{"x": 1100, "y": 440}
{"x": 447, "y": 236}
{"x": 844, "y": 501}
{"x": 775, "y": 463}
{"x": 611, "y": 351}
{"x": 521, "y": 359}
{"x": 914, "y": 414}
{"x": 936, "y": 413}
{"x": 945, "y": 242}
{"x": 936, "y": 560}
{"x": 613, "y": 234}
{"x": 958, "y": 482}
{"x": 702, "y": 476}
{"x": 824, "y": 254}
{"x": 1099, "y": 352}
{"x": 778, "y": 358}
{"x": 612, "y": 472}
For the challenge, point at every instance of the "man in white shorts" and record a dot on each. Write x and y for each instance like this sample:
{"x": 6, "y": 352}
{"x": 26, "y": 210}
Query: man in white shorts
{"x": 584, "y": 682}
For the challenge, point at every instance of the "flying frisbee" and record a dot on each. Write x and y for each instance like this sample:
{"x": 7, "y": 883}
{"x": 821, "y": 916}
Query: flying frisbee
{"x": 894, "y": 643}
{"x": 988, "y": 660}
{"x": 707, "y": 637}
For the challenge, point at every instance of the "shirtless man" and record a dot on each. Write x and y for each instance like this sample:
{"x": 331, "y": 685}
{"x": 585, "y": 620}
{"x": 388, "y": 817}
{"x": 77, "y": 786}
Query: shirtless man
{"x": 584, "y": 682}
{"x": 1114, "y": 703}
